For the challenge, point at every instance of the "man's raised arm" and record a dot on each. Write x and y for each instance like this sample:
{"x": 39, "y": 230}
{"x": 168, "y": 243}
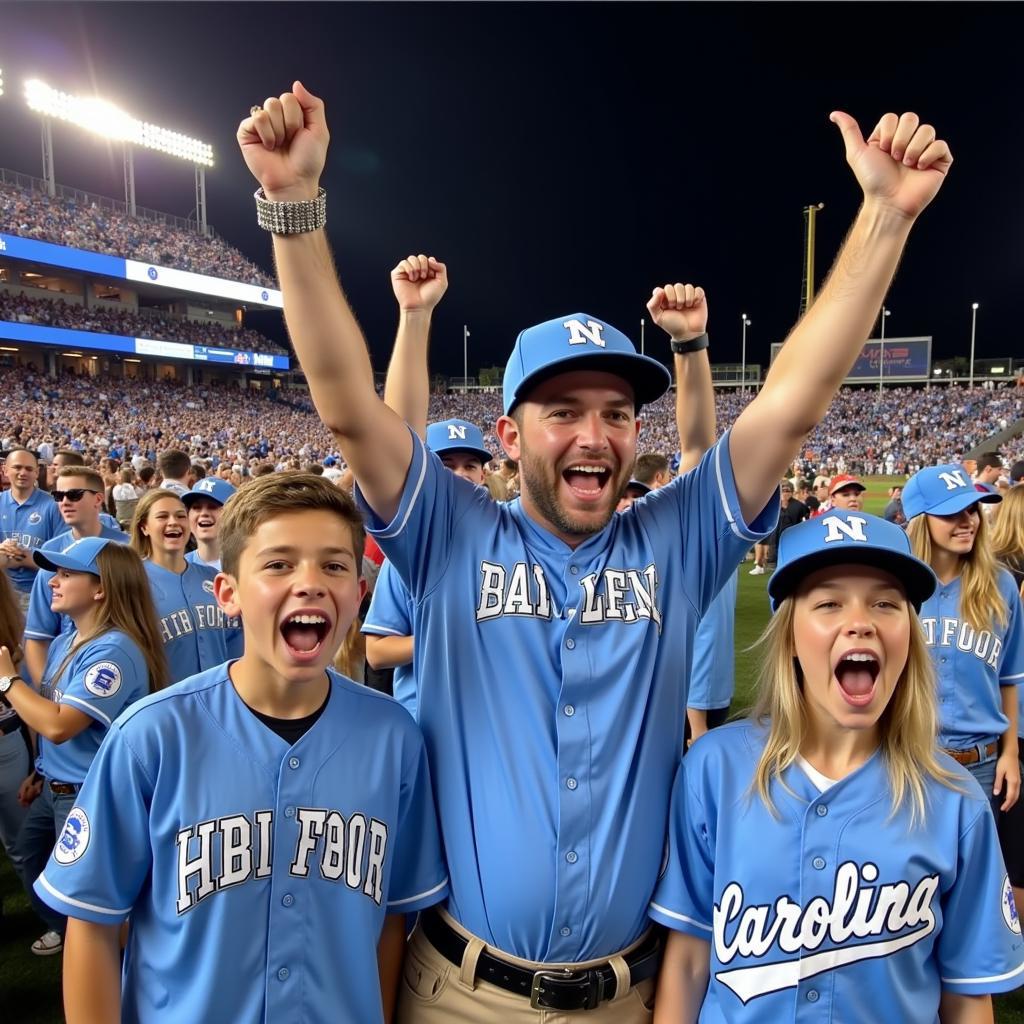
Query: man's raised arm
{"x": 419, "y": 282}
{"x": 900, "y": 169}
{"x": 285, "y": 146}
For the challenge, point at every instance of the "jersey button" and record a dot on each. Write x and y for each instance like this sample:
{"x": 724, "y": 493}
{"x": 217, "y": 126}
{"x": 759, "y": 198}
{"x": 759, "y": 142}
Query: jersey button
{"x": 812, "y": 995}
{"x": 571, "y": 783}
{"x": 289, "y": 812}
{"x": 570, "y": 643}
{"x": 282, "y": 975}
{"x": 569, "y": 710}
{"x": 821, "y": 810}
{"x": 293, "y": 762}
{"x": 564, "y": 932}
{"x": 574, "y": 570}
{"x": 287, "y": 899}
{"x": 818, "y": 863}
{"x": 572, "y": 857}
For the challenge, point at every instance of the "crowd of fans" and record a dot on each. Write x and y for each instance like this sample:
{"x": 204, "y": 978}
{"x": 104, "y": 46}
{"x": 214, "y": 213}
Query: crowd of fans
{"x": 898, "y": 433}
{"x": 24, "y": 309}
{"x": 87, "y": 226}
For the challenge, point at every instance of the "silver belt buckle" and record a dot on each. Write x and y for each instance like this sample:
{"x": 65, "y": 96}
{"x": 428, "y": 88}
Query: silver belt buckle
{"x": 594, "y": 988}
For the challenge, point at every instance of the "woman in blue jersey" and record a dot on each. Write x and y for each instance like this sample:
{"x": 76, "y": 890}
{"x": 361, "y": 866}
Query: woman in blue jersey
{"x": 196, "y": 634}
{"x": 816, "y": 858}
{"x": 973, "y": 628}
{"x": 111, "y": 658}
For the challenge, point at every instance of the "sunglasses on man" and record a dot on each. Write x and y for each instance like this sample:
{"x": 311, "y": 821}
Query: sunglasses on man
{"x": 75, "y": 494}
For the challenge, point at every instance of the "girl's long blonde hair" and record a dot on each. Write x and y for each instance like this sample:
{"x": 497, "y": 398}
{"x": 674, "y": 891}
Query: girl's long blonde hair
{"x": 981, "y": 605}
{"x": 1008, "y": 532}
{"x": 908, "y": 726}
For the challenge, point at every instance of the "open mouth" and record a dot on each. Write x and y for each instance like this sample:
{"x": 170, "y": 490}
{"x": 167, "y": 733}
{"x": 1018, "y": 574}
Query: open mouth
{"x": 587, "y": 482}
{"x": 304, "y": 634}
{"x": 856, "y": 673}
{"x": 205, "y": 524}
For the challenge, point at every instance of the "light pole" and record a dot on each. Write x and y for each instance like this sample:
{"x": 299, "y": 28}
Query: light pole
{"x": 465, "y": 359}
{"x": 881, "y": 350}
{"x": 974, "y": 324}
{"x": 743, "y": 365}
{"x": 641, "y": 335}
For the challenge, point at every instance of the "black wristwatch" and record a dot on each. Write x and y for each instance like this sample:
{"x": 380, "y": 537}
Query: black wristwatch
{"x": 683, "y": 348}
{"x": 6, "y": 682}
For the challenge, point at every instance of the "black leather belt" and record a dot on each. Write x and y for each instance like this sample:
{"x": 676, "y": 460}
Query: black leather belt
{"x": 9, "y": 725}
{"x": 64, "y": 788}
{"x": 554, "y": 989}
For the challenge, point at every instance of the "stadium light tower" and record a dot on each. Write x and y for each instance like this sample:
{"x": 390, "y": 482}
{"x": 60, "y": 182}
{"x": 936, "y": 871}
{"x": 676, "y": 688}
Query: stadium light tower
{"x": 743, "y": 364}
{"x": 881, "y": 348}
{"x": 110, "y": 122}
{"x": 974, "y": 324}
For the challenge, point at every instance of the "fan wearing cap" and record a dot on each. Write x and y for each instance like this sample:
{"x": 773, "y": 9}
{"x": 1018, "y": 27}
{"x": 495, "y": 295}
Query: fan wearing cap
{"x": 846, "y": 492}
{"x": 111, "y": 657}
{"x": 579, "y": 725}
{"x": 205, "y": 503}
{"x": 974, "y": 628}
{"x": 817, "y": 850}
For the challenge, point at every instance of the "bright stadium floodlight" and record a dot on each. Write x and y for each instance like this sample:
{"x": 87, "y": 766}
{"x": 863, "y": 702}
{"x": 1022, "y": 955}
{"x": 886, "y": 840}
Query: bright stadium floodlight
{"x": 1, "y": 81}
{"x": 103, "y": 118}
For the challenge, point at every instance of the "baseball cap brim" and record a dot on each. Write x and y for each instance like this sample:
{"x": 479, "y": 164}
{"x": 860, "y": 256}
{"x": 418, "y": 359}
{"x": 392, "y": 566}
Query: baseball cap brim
{"x": 916, "y": 578}
{"x": 190, "y": 496}
{"x": 51, "y": 561}
{"x": 957, "y": 503}
{"x": 481, "y": 453}
{"x": 648, "y": 378}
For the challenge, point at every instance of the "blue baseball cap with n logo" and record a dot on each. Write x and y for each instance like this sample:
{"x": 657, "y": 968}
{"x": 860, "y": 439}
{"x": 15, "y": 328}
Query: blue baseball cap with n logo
{"x": 211, "y": 487}
{"x": 580, "y": 342}
{"x": 844, "y": 537}
{"x": 79, "y": 557}
{"x": 942, "y": 491}
{"x": 457, "y": 436}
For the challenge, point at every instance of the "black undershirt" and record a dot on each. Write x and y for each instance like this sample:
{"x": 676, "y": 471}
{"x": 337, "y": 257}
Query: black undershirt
{"x": 291, "y": 730}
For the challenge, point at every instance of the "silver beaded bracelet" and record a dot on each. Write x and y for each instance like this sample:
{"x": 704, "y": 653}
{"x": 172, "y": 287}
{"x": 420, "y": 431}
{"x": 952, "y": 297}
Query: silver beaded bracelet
{"x": 291, "y": 218}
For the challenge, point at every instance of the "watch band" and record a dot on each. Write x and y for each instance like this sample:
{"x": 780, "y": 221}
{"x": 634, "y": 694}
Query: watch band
{"x": 682, "y": 348}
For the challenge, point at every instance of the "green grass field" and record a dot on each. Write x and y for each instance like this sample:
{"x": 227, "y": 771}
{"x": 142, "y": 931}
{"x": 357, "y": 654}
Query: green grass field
{"x": 30, "y": 986}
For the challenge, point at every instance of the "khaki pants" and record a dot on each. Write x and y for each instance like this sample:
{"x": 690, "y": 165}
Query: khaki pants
{"x": 435, "y": 991}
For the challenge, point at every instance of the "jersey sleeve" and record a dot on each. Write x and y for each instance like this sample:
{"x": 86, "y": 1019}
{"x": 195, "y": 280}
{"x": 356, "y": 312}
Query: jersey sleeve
{"x": 102, "y": 858}
{"x": 684, "y": 897}
{"x": 41, "y": 623}
{"x": 54, "y": 521}
{"x": 702, "y": 509}
{"x": 419, "y": 877}
{"x": 108, "y": 675}
{"x": 388, "y": 614}
{"x": 1011, "y": 669}
{"x": 419, "y": 540}
{"x": 980, "y": 948}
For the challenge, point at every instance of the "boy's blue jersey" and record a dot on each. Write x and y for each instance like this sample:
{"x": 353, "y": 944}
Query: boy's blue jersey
{"x": 257, "y": 875}
{"x": 835, "y": 909}
{"x": 42, "y": 623}
{"x": 391, "y": 613}
{"x": 196, "y": 634}
{"x": 31, "y": 524}
{"x": 101, "y": 678}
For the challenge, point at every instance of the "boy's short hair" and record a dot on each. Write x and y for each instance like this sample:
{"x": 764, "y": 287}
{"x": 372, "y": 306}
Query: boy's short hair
{"x": 648, "y": 466}
{"x": 86, "y": 473}
{"x": 281, "y": 494}
{"x": 173, "y": 464}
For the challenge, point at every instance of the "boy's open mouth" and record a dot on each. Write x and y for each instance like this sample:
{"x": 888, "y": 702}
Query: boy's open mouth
{"x": 304, "y": 632}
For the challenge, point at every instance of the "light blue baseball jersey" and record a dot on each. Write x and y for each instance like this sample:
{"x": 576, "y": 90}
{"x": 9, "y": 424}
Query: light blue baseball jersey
{"x": 713, "y": 676}
{"x": 391, "y": 613}
{"x": 835, "y": 910}
{"x": 550, "y": 686}
{"x": 194, "y": 559}
{"x": 31, "y": 524}
{"x": 197, "y": 635}
{"x": 41, "y": 622}
{"x": 101, "y": 678}
{"x": 257, "y": 874}
{"x": 970, "y": 667}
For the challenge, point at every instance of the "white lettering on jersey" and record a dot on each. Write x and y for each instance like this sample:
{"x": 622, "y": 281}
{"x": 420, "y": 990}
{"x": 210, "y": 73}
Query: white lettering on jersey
{"x": 953, "y": 481}
{"x": 580, "y": 334}
{"x": 619, "y": 585}
{"x": 519, "y": 596}
{"x": 852, "y": 527}
{"x": 207, "y": 616}
{"x": 947, "y": 632}
{"x": 229, "y": 851}
{"x": 858, "y": 909}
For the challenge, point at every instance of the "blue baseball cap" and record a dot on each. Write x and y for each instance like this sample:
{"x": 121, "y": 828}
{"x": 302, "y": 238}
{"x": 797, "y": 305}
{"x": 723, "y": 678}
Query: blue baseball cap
{"x": 79, "y": 557}
{"x": 841, "y": 537}
{"x": 942, "y": 491}
{"x": 457, "y": 436}
{"x": 211, "y": 487}
{"x": 580, "y": 342}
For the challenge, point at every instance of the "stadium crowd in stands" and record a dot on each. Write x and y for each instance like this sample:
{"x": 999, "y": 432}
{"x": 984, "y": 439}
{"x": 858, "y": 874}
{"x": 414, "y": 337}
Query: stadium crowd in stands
{"x": 62, "y": 221}
{"x": 24, "y": 309}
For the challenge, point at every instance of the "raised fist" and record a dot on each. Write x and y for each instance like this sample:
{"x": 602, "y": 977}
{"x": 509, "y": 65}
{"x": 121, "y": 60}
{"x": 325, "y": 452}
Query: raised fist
{"x": 419, "y": 283}
{"x": 680, "y": 310}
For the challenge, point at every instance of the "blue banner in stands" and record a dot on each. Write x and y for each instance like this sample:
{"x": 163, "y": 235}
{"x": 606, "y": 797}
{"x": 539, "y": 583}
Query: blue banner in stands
{"x": 61, "y": 256}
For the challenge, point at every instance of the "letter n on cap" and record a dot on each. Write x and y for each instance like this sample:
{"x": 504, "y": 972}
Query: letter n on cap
{"x": 580, "y": 334}
{"x": 853, "y": 528}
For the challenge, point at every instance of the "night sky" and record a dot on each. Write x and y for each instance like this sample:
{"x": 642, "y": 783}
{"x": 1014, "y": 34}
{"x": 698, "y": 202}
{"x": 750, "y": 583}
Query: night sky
{"x": 565, "y": 158}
